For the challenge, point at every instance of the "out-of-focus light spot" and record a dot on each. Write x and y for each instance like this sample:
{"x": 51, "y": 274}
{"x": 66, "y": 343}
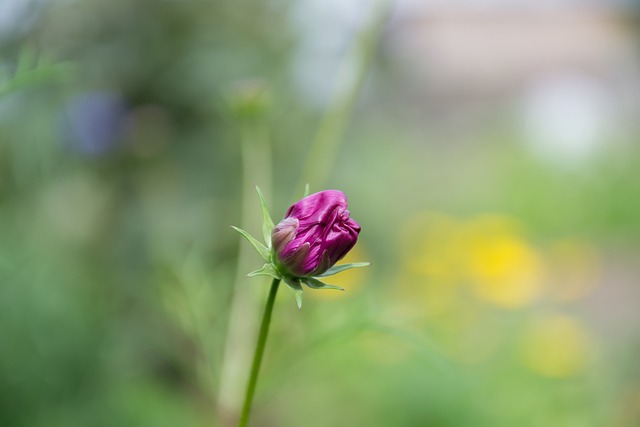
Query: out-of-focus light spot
{"x": 575, "y": 270}
{"x": 556, "y": 346}
{"x": 489, "y": 252}
{"x": 503, "y": 268}
{"x": 324, "y": 29}
{"x": 566, "y": 117}
{"x": 96, "y": 122}
{"x": 17, "y": 16}
{"x": 149, "y": 129}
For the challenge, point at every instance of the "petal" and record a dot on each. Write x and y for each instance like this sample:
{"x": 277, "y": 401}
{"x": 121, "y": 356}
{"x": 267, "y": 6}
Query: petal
{"x": 283, "y": 234}
{"x": 320, "y": 267}
{"x": 319, "y": 208}
{"x": 294, "y": 261}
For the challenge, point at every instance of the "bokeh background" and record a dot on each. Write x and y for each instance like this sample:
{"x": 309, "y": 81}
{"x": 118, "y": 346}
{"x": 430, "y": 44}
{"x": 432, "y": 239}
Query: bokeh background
{"x": 489, "y": 149}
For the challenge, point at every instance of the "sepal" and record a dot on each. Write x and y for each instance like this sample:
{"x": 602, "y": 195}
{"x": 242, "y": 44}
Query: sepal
{"x": 262, "y": 249}
{"x": 266, "y": 270}
{"x": 317, "y": 284}
{"x": 267, "y": 222}
{"x": 338, "y": 268}
{"x": 296, "y": 288}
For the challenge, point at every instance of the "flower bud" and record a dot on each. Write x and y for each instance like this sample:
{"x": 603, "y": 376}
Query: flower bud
{"x": 315, "y": 234}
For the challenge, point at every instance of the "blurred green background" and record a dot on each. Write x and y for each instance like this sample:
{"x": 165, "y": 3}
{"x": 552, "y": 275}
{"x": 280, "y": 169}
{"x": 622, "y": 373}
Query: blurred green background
{"x": 488, "y": 149}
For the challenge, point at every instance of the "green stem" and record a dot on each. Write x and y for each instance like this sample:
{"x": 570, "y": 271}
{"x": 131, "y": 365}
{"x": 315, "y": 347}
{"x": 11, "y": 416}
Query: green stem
{"x": 349, "y": 83}
{"x": 244, "y": 311}
{"x": 257, "y": 357}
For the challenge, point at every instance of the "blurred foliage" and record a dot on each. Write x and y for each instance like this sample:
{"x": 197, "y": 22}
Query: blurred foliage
{"x": 503, "y": 288}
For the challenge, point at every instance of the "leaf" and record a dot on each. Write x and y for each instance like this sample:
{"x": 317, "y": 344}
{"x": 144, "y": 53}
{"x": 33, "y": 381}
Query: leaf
{"x": 296, "y": 288}
{"x": 307, "y": 190}
{"x": 32, "y": 70}
{"x": 267, "y": 222}
{"x": 262, "y": 249}
{"x": 317, "y": 284}
{"x": 266, "y": 270}
{"x": 338, "y": 268}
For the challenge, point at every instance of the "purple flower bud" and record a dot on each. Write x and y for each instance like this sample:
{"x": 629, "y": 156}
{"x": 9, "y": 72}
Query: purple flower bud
{"x": 315, "y": 234}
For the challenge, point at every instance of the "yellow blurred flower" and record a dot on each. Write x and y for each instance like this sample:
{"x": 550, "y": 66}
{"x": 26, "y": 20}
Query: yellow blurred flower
{"x": 503, "y": 267}
{"x": 556, "y": 346}
{"x": 489, "y": 252}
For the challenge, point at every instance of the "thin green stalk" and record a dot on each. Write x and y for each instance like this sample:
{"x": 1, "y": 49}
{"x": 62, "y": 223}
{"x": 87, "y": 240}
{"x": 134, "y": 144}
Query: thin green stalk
{"x": 255, "y": 150}
{"x": 257, "y": 357}
{"x": 349, "y": 83}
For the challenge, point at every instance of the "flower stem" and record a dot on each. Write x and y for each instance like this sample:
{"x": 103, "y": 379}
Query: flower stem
{"x": 348, "y": 86}
{"x": 257, "y": 357}
{"x": 244, "y": 307}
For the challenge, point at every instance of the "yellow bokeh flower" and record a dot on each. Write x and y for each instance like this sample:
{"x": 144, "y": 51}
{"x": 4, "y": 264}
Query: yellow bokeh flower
{"x": 489, "y": 252}
{"x": 556, "y": 346}
{"x": 503, "y": 268}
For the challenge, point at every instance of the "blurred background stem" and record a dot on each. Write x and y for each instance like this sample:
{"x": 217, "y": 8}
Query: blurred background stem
{"x": 351, "y": 77}
{"x": 243, "y": 314}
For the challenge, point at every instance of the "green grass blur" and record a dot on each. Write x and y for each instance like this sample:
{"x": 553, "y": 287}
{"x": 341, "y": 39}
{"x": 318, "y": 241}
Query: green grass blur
{"x": 501, "y": 216}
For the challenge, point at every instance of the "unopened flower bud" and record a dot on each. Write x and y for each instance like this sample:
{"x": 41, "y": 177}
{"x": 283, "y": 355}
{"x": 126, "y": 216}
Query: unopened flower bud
{"x": 316, "y": 233}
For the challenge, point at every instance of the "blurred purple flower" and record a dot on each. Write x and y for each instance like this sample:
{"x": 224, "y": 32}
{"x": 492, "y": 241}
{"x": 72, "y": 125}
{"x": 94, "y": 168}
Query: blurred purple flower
{"x": 315, "y": 234}
{"x": 96, "y": 121}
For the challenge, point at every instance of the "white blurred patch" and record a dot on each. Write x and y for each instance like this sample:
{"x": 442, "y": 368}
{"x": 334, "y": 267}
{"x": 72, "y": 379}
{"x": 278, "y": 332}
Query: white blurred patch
{"x": 325, "y": 29}
{"x": 16, "y": 16}
{"x": 567, "y": 117}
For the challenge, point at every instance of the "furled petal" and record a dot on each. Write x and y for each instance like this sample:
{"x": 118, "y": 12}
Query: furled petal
{"x": 321, "y": 222}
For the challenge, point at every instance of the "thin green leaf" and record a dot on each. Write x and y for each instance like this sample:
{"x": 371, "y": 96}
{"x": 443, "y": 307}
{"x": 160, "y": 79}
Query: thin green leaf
{"x": 27, "y": 60}
{"x": 307, "y": 190}
{"x": 262, "y": 249}
{"x": 267, "y": 222}
{"x": 266, "y": 270}
{"x": 317, "y": 284}
{"x": 338, "y": 268}
{"x": 296, "y": 288}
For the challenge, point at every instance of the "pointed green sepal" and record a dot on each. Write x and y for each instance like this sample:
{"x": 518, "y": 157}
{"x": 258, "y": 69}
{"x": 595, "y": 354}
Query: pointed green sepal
{"x": 266, "y": 270}
{"x": 296, "y": 288}
{"x": 262, "y": 249}
{"x": 338, "y": 268}
{"x": 267, "y": 222}
{"x": 317, "y": 284}
{"x": 307, "y": 190}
